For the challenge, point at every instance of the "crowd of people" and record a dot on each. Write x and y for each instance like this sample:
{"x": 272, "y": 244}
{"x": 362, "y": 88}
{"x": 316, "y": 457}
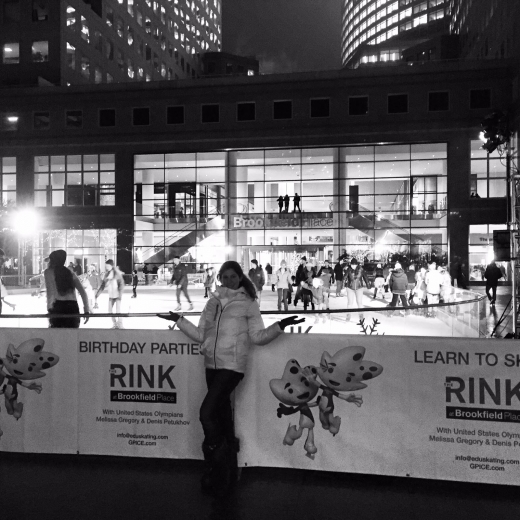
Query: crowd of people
{"x": 420, "y": 284}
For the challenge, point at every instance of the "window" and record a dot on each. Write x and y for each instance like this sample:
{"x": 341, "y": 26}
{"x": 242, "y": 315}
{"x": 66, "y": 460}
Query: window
{"x": 11, "y": 53}
{"x": 85, "y": 67}
{"x": 175, "y": 115}
{"x": 41, "y": 121}
{"x": 397, "y": 103}
{"x": 8, "y": 180}
{"x": 210, "y": 113}
{"x": 40, "y": 51}
{"x": 246, "y": 111}
{"x": 141, "y": 116}
{"x": 71, "y": 56}
{"x": 107, "y": 116}
{"x": 74, "y": 180}
{"x": 488, "y": 173}
{"x": 9, "y": 121}
{"x": 282, "y": 109}
{"x": 320, "y": 108}
{"x": 11, "y": 11}
{"x": 40, "y": 11}
{"x": 358, "y": 106}
{"x": 480, "y": 98}
{"x": 73, "y": 118}
{"x": 438, "y": 101}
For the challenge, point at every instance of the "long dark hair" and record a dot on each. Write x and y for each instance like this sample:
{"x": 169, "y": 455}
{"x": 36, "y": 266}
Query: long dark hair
{"x": 245, "y": 282}
{"x": 62, "y": 275}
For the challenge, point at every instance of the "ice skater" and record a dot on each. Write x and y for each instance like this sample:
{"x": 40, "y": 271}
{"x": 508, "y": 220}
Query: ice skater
{"x": 180, "y": 280}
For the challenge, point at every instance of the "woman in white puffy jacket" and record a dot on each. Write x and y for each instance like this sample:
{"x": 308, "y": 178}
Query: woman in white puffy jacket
{"x": 229, "y": 324}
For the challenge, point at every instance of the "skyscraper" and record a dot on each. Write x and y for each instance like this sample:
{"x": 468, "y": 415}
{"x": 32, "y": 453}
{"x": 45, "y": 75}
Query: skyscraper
{"x": 68, "y": 42}
{"x": 487, "y": 28}
{"x": 376, "y": 31}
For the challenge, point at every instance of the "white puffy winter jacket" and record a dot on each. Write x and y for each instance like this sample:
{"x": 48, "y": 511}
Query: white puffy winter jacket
{"x": 229, "y": 324}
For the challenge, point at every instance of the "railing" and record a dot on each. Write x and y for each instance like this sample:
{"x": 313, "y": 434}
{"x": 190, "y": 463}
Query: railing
{"x": 461, "y": 318}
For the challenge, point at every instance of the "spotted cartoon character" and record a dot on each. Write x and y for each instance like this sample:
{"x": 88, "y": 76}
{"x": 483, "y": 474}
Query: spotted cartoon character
{"x": 20, "y": 367}
{"x": 294, "y": 390}
{"x": 345, "y": 371}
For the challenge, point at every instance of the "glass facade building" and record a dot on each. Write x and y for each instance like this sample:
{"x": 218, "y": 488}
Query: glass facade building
{"x": 373, "y": 22}
{"x": 377, "y": 202}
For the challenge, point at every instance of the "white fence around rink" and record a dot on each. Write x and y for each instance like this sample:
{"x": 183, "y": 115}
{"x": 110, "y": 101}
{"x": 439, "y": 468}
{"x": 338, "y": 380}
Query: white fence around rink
{"x": 461, "y": 317}
{"x": 434, "y": 408}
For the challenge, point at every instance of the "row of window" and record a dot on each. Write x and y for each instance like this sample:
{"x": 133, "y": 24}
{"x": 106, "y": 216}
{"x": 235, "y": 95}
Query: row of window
{"x": 74, "y": 180}
{"x": 8, "y": 180}
{"x": 11, "y": 52}
{"x": 246, "y": 111}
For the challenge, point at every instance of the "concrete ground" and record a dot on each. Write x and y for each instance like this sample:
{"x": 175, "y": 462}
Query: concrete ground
{"x": 40, "y": 487}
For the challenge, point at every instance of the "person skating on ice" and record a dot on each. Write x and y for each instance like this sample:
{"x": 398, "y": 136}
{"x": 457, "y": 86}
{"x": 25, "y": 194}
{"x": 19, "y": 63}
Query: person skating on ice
{"x": 113, "y": 281}
{"x": 180, "y": 280}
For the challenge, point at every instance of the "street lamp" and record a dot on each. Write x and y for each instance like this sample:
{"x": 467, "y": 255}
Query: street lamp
{"x": 25, "y": 222}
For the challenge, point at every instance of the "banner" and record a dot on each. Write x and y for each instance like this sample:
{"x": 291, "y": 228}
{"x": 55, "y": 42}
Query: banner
{"x": 38, "y": 391}
{"x": 133, "y": 393}
{"x": 438, "y": 408}
{"x": 404, "y": 406}
{"x": 140, "y": 394}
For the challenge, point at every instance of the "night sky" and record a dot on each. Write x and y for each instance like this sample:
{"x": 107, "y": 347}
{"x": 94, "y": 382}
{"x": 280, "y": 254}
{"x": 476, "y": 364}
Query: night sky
{"x": 284, "y": 35}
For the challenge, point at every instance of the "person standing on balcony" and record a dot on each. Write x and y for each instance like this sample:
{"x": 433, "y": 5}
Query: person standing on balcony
{"x": 297, "y": 199}
{"x": 113, "y": 280}
{"x": 280, "y": 204}
{"x": 180, "y": 280}
{"x": 62, "y": 284}
{"x": 257, "y": 276}
{"x": 229, "y": 325}
{"x": 286, "y": 201}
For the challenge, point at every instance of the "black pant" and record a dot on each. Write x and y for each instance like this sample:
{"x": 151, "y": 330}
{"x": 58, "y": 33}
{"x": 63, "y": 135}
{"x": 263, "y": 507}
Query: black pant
{"x": 307, "y": 299}
{"x": 64, "y": 307}
{"x": 134, "y": 290}
{"x": 216, "y": 415}
{"x": 184, "y": 289}
{"x": 395, "y": 298}
{"x": 493, "y": 288}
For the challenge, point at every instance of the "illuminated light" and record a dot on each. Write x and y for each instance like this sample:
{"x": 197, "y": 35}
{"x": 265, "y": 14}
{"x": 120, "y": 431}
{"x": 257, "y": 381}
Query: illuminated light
{"x": 8, "y": 49}
{"x": 25, "y": 222}
{"x": 12, "y": 119}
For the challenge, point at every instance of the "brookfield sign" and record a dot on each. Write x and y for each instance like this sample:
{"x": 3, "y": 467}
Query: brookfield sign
{"x": 258, "y": 222}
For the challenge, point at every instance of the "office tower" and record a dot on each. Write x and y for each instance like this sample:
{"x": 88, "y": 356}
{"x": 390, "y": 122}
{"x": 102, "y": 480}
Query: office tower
{"x": 378, "y": 31}
{"x": 66, "y": 42}
{"x": 487, "y": 28}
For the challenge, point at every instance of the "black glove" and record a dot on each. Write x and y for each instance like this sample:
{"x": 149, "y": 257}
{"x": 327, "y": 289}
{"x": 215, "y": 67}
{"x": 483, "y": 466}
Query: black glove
{"x": 171, "y": 316}
{"x": 291, "y": 320}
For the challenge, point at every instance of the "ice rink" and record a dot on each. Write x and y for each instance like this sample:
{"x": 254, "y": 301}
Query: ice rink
{"x": 457, "y": 321}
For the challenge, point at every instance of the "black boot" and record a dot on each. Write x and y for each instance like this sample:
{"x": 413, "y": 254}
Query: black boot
{"x": 216, "y": 479}
{"x": 234, "y": 448}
